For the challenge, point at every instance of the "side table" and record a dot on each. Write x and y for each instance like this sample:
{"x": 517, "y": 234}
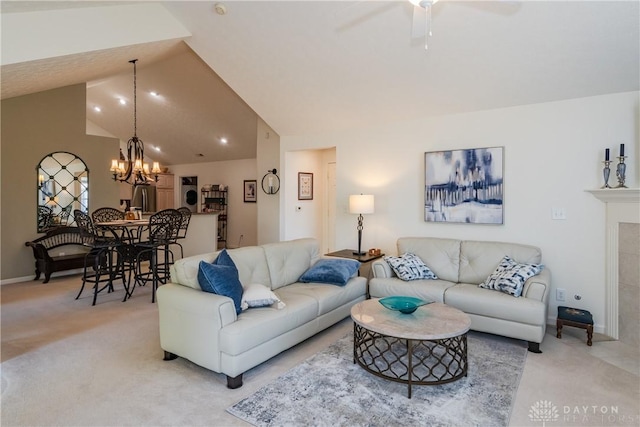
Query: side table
{"x": 365, "y": 260}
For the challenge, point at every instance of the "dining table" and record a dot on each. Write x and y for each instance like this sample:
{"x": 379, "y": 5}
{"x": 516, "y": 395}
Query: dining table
{"x": 128, "y": 233}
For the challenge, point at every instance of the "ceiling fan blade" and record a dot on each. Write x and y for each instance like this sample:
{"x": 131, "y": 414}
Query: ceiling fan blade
{"x": 419, "y": 26}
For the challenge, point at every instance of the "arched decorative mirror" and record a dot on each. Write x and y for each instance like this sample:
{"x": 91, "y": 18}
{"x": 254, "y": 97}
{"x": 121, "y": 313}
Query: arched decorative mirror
{"x": 63, "y": 185}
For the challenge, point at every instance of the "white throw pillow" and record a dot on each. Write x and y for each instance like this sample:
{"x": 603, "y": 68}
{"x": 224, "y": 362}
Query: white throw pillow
{"x": 410, "y": 267}
{"x": 257, "y": 295}
{"x": 509, "y": 276}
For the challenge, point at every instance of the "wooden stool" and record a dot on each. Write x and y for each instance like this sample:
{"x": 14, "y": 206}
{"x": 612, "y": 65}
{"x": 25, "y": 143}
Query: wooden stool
{"x": 577, "y": 318}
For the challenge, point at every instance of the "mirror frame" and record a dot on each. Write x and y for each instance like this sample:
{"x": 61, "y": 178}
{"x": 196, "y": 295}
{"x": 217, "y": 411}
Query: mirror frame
{"x": 62, "y": 185}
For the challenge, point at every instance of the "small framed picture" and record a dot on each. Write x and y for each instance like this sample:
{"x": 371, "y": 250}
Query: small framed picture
{"x": 305, "y": 186}
{"x": 250, "y": 193}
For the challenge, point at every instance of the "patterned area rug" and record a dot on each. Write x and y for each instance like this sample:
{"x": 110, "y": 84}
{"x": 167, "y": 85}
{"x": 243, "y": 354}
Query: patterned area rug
{"x": 328, "y": 389}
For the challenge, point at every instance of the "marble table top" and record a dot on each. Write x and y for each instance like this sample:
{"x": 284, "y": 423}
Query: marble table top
{"x": 430, "y": 322}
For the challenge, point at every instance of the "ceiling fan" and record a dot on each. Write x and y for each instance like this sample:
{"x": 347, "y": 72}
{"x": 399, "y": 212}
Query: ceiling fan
{"x": 422, "y": 19}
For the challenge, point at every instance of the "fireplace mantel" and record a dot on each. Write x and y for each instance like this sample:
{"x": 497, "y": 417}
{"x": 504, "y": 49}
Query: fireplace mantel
{"x": 617, "y": 195}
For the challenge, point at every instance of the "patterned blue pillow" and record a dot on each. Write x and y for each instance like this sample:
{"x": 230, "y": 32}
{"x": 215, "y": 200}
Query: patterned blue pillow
{"x": 221, "y": 277}
{"x": 410, "y": 267}
{"x": 509, "y": 276}
{"x": 332, "y": 271}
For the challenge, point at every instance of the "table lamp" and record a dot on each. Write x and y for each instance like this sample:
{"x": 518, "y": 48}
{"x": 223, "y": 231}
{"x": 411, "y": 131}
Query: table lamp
{"x": 360, "y": 204}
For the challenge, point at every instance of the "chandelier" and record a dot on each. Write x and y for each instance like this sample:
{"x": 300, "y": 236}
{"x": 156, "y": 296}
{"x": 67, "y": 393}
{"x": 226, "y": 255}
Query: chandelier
{"x": 133, "y": 169}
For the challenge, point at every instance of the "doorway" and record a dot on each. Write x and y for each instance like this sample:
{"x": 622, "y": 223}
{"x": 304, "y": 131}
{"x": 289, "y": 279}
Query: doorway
{"x": 189, "y": 193}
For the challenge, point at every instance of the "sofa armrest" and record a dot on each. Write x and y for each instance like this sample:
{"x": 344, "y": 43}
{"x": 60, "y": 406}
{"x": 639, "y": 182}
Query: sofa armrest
{"x": 381, "y": 270}
{"x": 190, "y": 323}
{"x": 538, "y": 286}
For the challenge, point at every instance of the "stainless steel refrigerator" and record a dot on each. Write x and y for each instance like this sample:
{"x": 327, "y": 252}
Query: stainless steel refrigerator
{"x": 144, "y": 197}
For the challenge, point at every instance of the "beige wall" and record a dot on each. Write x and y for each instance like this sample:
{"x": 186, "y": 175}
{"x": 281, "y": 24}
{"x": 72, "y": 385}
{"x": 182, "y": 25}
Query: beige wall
{"x": 553, "y": 153}
{"x": 268, "y": 158}
{"x": 232, "y": 173}
{"x": 32, "y": 127}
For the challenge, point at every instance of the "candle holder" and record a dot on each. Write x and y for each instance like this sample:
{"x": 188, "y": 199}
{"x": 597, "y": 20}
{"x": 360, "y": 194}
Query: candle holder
{"x": 271, "y": 182}
{"x": 606, "y": 172}
{"x": 621, "y": 170}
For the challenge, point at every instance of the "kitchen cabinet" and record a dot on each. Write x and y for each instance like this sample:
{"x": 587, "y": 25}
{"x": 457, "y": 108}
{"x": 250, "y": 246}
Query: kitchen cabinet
{"x": 165, "y": 193}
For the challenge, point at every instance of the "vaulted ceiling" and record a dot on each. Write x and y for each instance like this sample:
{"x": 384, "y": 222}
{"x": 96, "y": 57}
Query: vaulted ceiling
{"x": 310, "y": 67}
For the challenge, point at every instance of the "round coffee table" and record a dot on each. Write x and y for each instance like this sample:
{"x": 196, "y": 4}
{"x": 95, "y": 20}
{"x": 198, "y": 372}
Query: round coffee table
{"x": 426, "y": 347}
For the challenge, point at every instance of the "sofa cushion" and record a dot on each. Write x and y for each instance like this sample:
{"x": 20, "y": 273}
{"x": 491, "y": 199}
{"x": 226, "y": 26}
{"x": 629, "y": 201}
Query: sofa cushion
{"x": 479, "y": 259}
{"x": 473, "y": 299}
{"x": 257, "y": 326}
{"x": 288, "y": 260}
{"x": 256, "y": 295}
{"x": 222, "y": 280}
{"x": 185, "y": 271}
{"x": 329, "y": 297}
{"x": 441, "y": 255}
{"x": 332, "y": 271}
{"x": 509, "y": 276}
{"x": 432, "y": 290}
{"x": 252, "y": 265}
{"x": 410, "y": 267}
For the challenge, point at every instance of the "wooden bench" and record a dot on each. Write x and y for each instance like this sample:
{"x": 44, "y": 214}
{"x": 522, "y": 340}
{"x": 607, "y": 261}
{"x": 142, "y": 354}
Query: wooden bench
{"x": 55, "y": 238}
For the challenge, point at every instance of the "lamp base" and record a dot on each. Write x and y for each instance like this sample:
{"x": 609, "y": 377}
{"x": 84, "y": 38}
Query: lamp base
{"x": 359, "y": 253}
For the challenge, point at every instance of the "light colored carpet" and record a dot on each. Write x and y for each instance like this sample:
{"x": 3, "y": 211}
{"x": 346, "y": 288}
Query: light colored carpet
{"x": 66, "y": 363}
{"x": 330, "y": 390}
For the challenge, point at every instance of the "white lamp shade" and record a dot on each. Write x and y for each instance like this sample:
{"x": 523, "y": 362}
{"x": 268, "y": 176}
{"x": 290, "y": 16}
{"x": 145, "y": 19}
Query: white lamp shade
{"x": 361, "y": 204}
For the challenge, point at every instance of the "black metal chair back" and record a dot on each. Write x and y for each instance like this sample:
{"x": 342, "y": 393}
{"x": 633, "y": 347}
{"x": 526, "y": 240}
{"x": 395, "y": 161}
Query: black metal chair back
{"x": 45, "y": 217}
{"x": 184, "y": 225}
{"x": 164, "y": 226}
{"x": 64, "y": 215}
{"x": 84, "y": 222}
{"x": 107, "y": 214}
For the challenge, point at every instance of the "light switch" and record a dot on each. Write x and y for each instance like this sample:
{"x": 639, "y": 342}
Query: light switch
{"x": 558, "y": 213}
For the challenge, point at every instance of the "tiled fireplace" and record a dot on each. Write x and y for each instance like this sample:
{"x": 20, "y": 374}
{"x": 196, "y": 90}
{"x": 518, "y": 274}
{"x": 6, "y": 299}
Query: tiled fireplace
{"x": 622, "y": 270}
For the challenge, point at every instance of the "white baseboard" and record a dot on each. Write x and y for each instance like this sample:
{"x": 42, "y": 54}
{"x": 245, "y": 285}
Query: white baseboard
{"x": 30, "y": 277}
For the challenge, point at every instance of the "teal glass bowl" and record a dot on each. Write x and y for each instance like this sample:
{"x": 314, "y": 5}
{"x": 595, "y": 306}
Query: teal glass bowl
{"x": 404, "y": 305}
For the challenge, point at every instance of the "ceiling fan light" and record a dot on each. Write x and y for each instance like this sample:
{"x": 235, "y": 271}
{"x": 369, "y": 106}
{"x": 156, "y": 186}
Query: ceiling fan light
{"x": 423, "y": 3}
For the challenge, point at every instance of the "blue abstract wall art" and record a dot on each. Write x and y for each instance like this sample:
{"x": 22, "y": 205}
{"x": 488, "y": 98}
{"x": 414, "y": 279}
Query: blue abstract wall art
{"x": 464, "y": 186}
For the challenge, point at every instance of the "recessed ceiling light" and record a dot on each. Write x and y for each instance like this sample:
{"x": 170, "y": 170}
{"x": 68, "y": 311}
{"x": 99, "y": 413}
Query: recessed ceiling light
{"x": 122, "y": 101}
{"x": 153, "y": 93}
{"x": 97, "y": 109}
{"x": 157, "y": 149}
{"x": 223, "y": 140}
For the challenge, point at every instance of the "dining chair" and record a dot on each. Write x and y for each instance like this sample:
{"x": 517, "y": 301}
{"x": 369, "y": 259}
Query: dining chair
{"x": 65, "y": 214}
{"x": 106, "y": 214}
{"x": 184, "y": 226}
{"x": 98, "y": 262}
{"x": 45, "y": 217}
{"x": 163, "y": 229}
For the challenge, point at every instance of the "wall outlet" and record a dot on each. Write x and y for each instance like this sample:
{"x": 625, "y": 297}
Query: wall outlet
{"x": 560, "y": 294}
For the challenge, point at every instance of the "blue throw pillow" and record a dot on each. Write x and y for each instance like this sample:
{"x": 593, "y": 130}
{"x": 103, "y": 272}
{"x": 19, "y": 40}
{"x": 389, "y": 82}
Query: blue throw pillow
{"x": 221, "y": 279}
{"x": 332, "y": 271}
{"x": 223, "y": 258}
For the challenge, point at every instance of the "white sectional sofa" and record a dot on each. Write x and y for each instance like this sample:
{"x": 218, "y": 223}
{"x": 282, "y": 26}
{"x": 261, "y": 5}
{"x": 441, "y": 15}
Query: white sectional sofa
{"x": 461, "y": 266}
{"x": 205, "y": 329}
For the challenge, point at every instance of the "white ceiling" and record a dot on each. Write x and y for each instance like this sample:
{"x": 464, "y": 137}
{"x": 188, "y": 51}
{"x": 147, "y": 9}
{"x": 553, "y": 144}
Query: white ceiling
{"x": 319, "y": 67}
